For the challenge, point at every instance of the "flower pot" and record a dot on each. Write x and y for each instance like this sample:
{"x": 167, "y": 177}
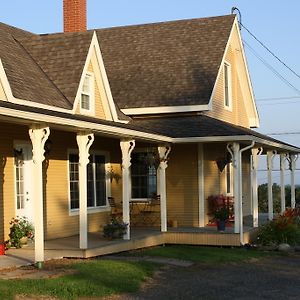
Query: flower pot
{"x": 221, "y": 224}
{"x": 23, "y": 241}
{"x": 2, "y": 249}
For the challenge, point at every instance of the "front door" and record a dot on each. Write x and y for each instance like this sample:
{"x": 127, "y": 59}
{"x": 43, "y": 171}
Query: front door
{"x": 23, "y": 181}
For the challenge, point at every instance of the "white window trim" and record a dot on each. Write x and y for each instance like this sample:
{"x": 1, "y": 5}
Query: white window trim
{"x": 229, "y": 75}
{"x": 96, "y": 209}
{"x": 231, "y": 179}
{"x": 91, "y": 94}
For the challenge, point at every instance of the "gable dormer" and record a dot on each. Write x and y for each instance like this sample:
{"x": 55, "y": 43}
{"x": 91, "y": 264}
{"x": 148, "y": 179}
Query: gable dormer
{"x": 94, "y": 97}
{"x": 232, "y": 99}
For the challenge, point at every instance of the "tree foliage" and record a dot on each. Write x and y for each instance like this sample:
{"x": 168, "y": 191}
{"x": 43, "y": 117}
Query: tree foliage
{"x": 263, "y": 197}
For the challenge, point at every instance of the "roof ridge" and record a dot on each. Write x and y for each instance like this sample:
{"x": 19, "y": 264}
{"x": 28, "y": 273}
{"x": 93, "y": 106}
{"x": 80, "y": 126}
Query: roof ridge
{"x": 163, "y": 22}
{"x": 16, "y": 28}
{"x": 37, "y": 64}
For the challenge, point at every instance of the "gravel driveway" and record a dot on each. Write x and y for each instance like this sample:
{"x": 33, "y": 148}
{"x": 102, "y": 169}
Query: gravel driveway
{"x": 272, "y": 278}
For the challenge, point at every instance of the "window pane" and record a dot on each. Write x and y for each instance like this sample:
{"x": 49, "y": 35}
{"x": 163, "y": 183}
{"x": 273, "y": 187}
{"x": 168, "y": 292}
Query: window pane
{"x": 90, "y": 184}
{"x": 74, "y": 183}
{"x": 85, "y": 101}
{"x": 143, "y": 176}
{"x": 100, "y": 180}
{"x": 86, "y": 84}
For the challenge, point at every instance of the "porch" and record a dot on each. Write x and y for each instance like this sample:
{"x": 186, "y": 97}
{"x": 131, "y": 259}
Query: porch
{"x": 140, "y": 238}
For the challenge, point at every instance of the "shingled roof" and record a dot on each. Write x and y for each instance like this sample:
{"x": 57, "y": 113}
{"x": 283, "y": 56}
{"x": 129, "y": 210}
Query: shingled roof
{"x": 161, "y": 64}
{"x": 196, "y": 126}
{"x": 62, "y": 57}
{"x": 27, "y": 80}
{"x": 165, "y": 64}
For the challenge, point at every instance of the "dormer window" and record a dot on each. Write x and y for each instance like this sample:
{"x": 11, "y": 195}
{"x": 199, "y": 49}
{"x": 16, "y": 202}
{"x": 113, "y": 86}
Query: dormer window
{"x": 227, "y": 86}
{"x": 87, "y": 95}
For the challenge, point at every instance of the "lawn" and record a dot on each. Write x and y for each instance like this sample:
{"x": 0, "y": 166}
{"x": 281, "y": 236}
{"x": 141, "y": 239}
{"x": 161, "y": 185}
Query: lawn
{"x": 91, "y": 279}
{"x": 97, "y": 278}
{"x": 202, "y": 254}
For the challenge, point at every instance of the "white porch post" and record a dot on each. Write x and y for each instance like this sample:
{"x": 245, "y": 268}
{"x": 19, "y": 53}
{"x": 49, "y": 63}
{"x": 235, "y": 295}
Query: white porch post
{"x": 84, "y": 142}
{"x": 163, "y": 152}
{"x": 270, "y": 158}
{"x": 282, "y": 183}
{"x": 254, "y": 165}
{"x": 38, "y": 136}
{"x": 293, "y": 159}
{"x": 126, "y": 148}
{"x": 201, "y": 186}
{"x": 234, "y": 150}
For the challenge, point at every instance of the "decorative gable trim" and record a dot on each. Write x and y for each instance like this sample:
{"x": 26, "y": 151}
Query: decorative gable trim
{"x": 101, "y": 79}
{"x": 5, "y": 84}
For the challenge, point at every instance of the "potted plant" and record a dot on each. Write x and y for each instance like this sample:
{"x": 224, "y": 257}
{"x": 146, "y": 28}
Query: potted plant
{"x": 115, "y": 229}
{"x": 221, "y": 215}
{"x": 20, "y": 231}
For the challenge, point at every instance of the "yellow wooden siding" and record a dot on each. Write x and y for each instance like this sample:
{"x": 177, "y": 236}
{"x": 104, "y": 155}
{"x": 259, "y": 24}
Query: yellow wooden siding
{"x": 8, "y": 133}
{"x": 99, "y": 96}
{"x": 182, "y": 185}
{"x": 237, "y": 115}
{"x": 214, "y": 180}
{"x": 2, "y": 93}
{"x": 59, "y": 223}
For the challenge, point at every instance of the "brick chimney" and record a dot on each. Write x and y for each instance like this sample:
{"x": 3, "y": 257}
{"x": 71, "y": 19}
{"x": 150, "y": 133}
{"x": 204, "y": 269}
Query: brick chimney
{"x": 74, "y": 15}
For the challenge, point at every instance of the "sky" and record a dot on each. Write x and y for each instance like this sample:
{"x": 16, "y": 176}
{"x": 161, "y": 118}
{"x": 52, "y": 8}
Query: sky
{"x": 274, "y": 22}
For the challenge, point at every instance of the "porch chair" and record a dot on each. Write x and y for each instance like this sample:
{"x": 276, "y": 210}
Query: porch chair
{"x": 116, "y": 208}
{"x": 151, "y": 211}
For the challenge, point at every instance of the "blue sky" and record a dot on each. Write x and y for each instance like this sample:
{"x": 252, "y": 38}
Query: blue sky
{"x": 275, "y": 22}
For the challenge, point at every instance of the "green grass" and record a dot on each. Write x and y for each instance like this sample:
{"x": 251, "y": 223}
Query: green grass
{"x": 92, "y": 279}
{"x": 202, "y": 254}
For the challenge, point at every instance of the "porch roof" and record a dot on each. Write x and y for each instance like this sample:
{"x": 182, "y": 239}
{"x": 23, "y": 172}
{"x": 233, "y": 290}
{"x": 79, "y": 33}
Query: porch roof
{"x": 168, "y": 129}
{"x": 202, "y": 128}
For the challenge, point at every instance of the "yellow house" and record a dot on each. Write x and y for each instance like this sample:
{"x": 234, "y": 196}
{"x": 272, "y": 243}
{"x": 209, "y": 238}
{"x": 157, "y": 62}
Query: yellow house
{"x": 83, "y": 113}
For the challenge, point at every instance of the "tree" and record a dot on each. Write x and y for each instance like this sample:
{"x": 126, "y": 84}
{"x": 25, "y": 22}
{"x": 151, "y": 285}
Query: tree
{"x": 263, "y": 197}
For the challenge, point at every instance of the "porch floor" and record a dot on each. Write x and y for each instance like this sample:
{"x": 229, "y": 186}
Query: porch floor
{"x": 140, "y": 238}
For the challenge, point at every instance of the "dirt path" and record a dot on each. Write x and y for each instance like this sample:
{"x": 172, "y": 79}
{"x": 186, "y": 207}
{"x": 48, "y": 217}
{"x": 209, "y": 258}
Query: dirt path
{"x": 275, "y": 278}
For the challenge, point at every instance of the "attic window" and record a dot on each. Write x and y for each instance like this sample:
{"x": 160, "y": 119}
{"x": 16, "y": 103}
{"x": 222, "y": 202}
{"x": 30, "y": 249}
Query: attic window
{"x": 227, "y": 86}
{"x": 86, "y": 103}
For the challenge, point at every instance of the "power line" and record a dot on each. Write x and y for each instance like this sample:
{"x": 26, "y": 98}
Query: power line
{"x": 272, "y": 53}
{"x": 280, "y": 103}
{"x": 278, "y": 98}
{"x": 271, "y": 68}
{"x": 284, "y": 133}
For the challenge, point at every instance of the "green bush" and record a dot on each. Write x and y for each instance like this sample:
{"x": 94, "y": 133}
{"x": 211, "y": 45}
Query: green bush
{"x": 283, "y": 229}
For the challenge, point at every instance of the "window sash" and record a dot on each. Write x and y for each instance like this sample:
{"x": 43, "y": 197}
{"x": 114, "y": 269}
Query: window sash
{"x": 143, "y": 177}
{"x": 86, "y": 93}
{"x": 96, "y": 181}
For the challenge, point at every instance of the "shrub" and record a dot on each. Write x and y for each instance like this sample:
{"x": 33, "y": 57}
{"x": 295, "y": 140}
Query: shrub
{"x": 114, "y": 229}
{"x": 20, "y": 227}
{"x": 283, "y": 229}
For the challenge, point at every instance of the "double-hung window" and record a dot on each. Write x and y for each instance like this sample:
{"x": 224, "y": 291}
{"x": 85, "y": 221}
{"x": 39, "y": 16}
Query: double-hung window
{"x": 87, "y": 94}
{"x": 143, "y": 176}
{"x": 96, "y": 181}
{"x": 227, "y": 86}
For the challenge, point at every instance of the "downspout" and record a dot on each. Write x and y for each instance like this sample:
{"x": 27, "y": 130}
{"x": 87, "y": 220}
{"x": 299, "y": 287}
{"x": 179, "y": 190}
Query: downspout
{"x": 241, "y": 191}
